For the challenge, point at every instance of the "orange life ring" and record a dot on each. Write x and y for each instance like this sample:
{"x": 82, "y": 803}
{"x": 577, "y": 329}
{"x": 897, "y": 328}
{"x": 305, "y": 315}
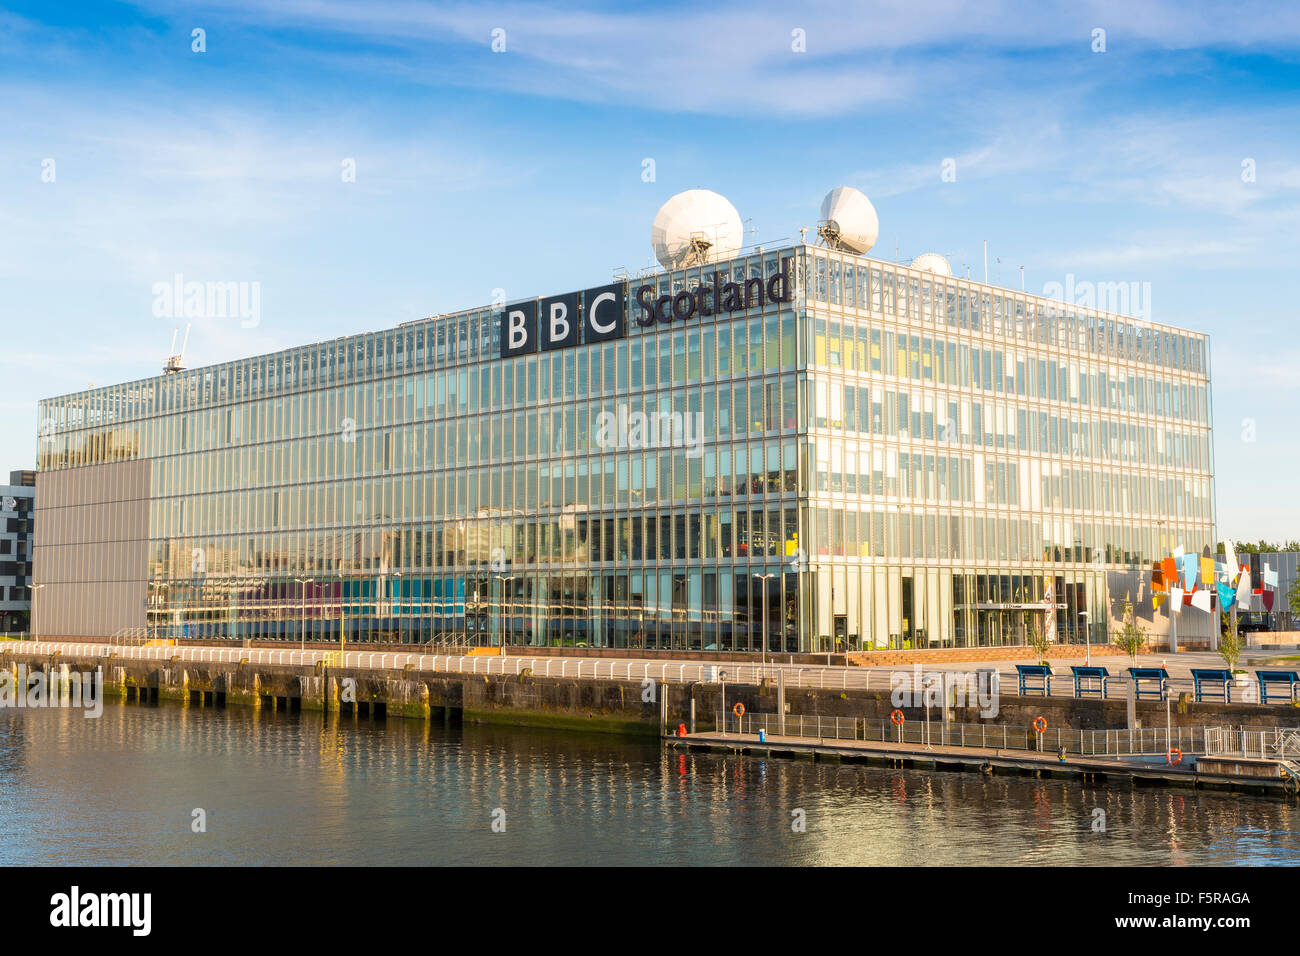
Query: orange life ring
{"x": 739, "y": 709}
{"x": 1174, "y": 756}
{"x": 1040, "y": 724}
{"x": 897, "y": 717}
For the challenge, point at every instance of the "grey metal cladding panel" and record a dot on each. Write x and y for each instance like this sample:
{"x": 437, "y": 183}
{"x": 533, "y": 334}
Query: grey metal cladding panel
{"x": 92, "y": 548}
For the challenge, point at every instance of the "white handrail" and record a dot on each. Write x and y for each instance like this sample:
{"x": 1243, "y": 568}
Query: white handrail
{"x": 814, "y": 676}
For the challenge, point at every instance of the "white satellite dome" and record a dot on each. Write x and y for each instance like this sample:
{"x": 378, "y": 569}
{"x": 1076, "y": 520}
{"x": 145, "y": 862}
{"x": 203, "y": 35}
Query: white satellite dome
{"x": 848, "y": 220}
{"x": 696, "y": 226}
{"x": 932, "y": 262}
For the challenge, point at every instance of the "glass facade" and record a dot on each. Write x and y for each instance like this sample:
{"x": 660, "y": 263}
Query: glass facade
{"x": 892, "y": 458}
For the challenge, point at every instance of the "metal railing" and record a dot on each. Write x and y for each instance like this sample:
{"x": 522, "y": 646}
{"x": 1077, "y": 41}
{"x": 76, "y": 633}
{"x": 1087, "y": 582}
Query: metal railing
{"x": 1116, "y": 686}
{"x": 129, "y": 646}
{"x": 1155, "y": 741}
{"x": 452, "y": 657}
{"x": 451, "y": 640}
{"x": 129, "y": 636}
{"x": 1270, "y": 743}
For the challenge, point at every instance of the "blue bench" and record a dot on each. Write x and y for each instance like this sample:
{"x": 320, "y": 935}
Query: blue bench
{"x": 1289, "y": 678}
{"x": 1212, "y": 682}
{"x": 1036, "y": 677}
{"x": 1098, "y": 674}
{"x": 1146, "y": 675}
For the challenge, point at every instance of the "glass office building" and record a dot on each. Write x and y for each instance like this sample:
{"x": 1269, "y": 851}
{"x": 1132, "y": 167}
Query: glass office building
{"x": 881, "y": 457}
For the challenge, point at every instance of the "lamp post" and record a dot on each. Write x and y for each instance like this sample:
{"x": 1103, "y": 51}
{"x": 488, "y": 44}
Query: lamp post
{"x": 503, "y": 578}
{"x": 157, "y": 606}
{"x": 722, "y": 678}
{"x": 302, "y": 621}
{"x": 395, "y": 607}
{"x": 343, "y": 621}
{"x": 35, "y": 588}
{"x": 1173, "y": 625}
{"x": 1087, "y": 638}
{"x": 763, "y": 631}
{"x": 473, "y": 607}
{"x": 926, "y": 684}
{"x": 1169, "y": 726}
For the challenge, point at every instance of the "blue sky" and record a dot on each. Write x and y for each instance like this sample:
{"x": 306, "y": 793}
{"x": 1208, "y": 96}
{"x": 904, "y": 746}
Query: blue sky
{"x": 522, "y": 169}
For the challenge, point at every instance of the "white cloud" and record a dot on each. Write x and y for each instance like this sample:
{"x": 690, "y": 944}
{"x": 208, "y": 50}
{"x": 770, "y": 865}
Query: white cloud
{"x": 1257, "y": 371}
{"x": 1153, "y": 250}
{"x": 738, "y": 58}
{"x": 1020, "y": 147}
{"x": 143, "y": 192}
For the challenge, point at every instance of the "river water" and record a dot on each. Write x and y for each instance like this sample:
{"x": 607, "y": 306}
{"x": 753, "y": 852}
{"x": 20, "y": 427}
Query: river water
{"x": 305, "y": 789}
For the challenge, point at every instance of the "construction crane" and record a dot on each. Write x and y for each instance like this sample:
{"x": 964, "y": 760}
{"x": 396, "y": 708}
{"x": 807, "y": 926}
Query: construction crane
{"x": 174, "y": 360}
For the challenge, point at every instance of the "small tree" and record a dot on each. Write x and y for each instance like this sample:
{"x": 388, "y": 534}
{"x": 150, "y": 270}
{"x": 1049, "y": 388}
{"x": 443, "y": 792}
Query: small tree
{"x": 1293, "y": 597}
{"x": 1230, "y": 642}
{"x": 1132, "y": 637}
{"x": 1038, "y": 641}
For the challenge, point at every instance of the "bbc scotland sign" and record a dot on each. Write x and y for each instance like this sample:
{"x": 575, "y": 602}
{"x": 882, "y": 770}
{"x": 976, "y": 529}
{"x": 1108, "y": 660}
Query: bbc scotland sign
{"x": 557, "y": 322}
{"x": 599, "y": 314}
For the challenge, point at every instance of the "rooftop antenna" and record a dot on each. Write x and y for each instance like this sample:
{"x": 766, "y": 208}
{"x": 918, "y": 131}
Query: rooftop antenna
{"x": 700, "y": 243}
{"x": 695, "y": 227}
{"x": 986, "y": 262}
{"x": 174, "y": 361}
{"x": 803, "y": 234}
{"x": 1022, "y": 278}
{"x": 847, "y": 222}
